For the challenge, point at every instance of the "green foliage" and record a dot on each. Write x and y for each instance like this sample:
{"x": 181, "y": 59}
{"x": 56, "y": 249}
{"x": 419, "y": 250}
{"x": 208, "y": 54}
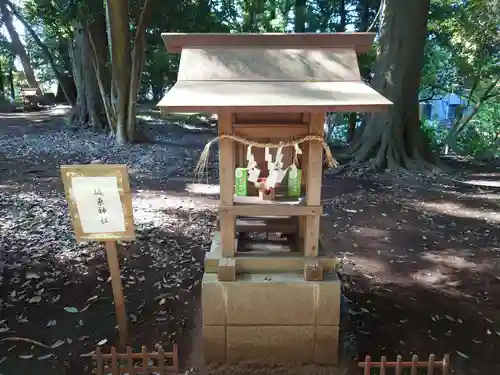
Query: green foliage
{"x": 434, "y": 132}
{"x": 481, "y": 139}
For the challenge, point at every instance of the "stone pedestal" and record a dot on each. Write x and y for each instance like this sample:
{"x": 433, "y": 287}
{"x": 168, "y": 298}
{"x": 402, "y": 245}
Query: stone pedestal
{"x": 271, "y": 318}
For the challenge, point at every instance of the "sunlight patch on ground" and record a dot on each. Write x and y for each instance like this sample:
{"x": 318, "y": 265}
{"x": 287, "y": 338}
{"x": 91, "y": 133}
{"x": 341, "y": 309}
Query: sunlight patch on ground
{"x": 203, "y": 189}
{"x": 60, "y": 109}
{"x": 447, "y": 258}
{"x": 370, "y": 266}
{"x": 457, "y": 210}
{"x": 158, "y": 207}
{"x": 483, "y": 183}
{"x": 430, "y": 277}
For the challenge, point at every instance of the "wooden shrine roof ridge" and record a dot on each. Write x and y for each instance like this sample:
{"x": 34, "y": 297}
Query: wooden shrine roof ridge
{"x": 360, "y": 41}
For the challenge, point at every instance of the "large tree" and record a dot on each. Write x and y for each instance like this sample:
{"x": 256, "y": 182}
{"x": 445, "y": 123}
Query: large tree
{"x": 18, "y": 46}
{"x": 393, "y": 139}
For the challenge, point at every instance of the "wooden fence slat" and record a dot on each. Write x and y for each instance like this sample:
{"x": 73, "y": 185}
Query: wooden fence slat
{"x": 398, "y": 365}
{"x": 114, "y": 362}
{"x": 139, "y": 370}
{"x": 383, "y": 360}
{"x": 130, "y": 361}
{"x": 414, "y": 361}
{"x": 175, "y": 356}
{"x": 367, "y": 365}
{"x": 446, "y": 364}
{"x": 161, "y": 361}
{"x": 107, "y": 356}
{"x": 430, "y": 366}
{"x": 100, "y": 365}
{"x": 145, "y": 360}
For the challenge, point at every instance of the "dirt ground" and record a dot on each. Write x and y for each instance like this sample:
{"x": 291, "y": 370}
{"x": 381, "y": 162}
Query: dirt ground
{"x": 420, "y": 255}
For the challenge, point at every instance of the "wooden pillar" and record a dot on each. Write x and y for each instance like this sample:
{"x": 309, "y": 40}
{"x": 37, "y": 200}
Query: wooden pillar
{"x": 226, "y": 179}
{"x": 313, "y": 185}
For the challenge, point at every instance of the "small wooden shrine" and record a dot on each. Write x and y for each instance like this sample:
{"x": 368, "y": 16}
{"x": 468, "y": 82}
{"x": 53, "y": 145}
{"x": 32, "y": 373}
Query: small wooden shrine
{"x": 271, "y": 93}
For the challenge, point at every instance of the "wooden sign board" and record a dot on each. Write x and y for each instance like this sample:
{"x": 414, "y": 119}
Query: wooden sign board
{"x": 100, "y": 201}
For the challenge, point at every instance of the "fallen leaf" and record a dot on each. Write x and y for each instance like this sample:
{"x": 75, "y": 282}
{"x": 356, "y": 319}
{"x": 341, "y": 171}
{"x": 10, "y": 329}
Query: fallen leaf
{"x": 57, "y": 344}
{"x": 86, "y": 355}
{"x": 35, "y": 299}
{"x": 27, "y": 356}
{"x": 4, "y": 329}
{"x": 463, "y": 355}
{"x": 52, "y": 323}
{"x": 71, "y": 309}
{"x": 3, "y": 359}
{"x": 162, "y": 301}
{"x": 92, "y": 298}
{"x": 102, "y": 342}
{"x": 43, "y": 357}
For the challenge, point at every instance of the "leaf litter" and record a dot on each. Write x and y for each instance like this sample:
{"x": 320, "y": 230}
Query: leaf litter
{"x": 38, "y": 237}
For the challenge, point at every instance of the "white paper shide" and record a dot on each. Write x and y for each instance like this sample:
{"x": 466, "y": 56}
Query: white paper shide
{"x": 98, "y": 203}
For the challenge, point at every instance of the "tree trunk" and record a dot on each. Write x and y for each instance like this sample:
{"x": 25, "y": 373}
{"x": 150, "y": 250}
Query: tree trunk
{"x": 43, "y": 47}
{"x": 2, "y": 83}
{"x": 18, "y": 48}
{"x": 351, "y": 130}
{"x": 343, "y": 16}
{"x": 10, "y": 78}
{"x": 393, "y": 140}
{"x": 119, "y": 33}
{"x": 300, "y": 16}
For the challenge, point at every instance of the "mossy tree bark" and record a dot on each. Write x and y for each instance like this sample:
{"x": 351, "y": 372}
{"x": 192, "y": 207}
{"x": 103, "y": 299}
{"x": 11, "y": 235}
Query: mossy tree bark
{"x": 393, "y": 140}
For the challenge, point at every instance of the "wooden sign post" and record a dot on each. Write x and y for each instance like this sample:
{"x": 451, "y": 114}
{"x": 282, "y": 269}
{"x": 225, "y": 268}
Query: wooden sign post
{"x": 100, "y": 205}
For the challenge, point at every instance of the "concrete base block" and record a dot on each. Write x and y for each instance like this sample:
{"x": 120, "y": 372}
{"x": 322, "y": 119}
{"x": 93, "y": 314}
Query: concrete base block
{"x": 277, "y": 318}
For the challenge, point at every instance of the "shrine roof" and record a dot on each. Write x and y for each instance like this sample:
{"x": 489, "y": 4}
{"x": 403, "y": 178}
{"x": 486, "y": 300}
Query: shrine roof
{"x": 187, "y": 96}
{"x": 270, "y": 72}
{"x": 361, "y": 42}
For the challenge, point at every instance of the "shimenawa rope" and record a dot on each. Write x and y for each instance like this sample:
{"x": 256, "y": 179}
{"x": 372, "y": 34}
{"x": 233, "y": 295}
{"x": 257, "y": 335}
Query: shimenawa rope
{"x": 202, "y": 163}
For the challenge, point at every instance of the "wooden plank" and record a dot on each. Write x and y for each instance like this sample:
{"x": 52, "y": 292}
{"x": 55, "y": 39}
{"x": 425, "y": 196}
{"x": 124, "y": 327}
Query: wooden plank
{"x": 431, "y": 365}
{"x": 119, "y": 171}
{"x": 275, "y": 209}
{"x": 116, "y": 284}
{"x": 361, "y": 41}
{"x": 287, "y": 225}
{"x": 294, "y": 201}
{"x": 313, "y": 185}
{"x": 414, "y": 365}
{"x": 114, "y": 363}
{"x": 266, "y": 97}
{"x": 269, "y": 64}
{"x": 130, "y": 360}
{"x": 279, "y": 118}
{"x": 145, "y": 359}
{"x": 226, "y": 176}
{"x": 257, "y": 131}
{"x": 226, "y": 269}
{"x": 99, "y": 361}
{"x": 313, "y": 270}
{"x": 263, "y": 247}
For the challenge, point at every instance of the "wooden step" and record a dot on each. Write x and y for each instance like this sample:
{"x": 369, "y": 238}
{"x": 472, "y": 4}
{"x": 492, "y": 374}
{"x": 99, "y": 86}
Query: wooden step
{"x": 287, "y": 225}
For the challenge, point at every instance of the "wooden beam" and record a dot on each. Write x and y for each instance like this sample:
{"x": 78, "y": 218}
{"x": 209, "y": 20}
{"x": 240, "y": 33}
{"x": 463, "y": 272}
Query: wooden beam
{"x": 256, "y": 131}
{"x": 226, "y": 177}
{"x": 360, "y": 41}
{"x": 275, "y": 210}
{"x": 313, "y": 186}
